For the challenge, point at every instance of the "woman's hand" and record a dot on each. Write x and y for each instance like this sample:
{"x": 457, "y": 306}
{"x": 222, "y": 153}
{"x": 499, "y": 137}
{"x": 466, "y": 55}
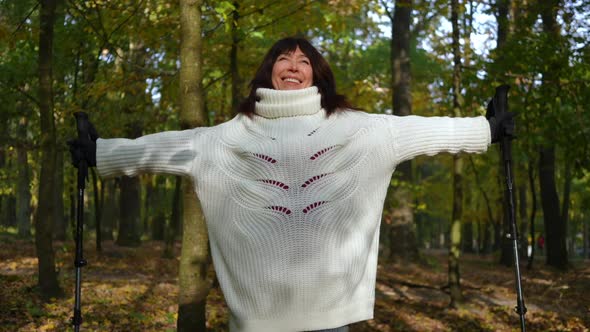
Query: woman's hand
{"x": 84, "y": 149}
{"x": 501, "y": 125}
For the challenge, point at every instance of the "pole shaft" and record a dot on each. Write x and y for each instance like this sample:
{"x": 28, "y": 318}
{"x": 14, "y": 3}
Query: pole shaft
{"x": 520, "y": 307}
{"x": 79, "y": 261}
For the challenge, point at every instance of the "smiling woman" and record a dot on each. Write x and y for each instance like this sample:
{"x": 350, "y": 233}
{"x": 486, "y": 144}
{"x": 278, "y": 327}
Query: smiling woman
{"x": 292, "y": 64}
{"x": 292, "y": 71}
{"x": 292, "y": 189}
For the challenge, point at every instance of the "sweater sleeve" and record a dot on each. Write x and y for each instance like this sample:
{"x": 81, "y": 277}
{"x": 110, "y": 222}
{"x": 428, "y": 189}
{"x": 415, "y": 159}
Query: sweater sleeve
{"x": 416, "y": 135}
{"x": 170, "y": 152}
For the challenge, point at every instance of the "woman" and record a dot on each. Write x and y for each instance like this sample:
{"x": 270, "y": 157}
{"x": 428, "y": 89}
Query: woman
{"x": 292, "y": 189}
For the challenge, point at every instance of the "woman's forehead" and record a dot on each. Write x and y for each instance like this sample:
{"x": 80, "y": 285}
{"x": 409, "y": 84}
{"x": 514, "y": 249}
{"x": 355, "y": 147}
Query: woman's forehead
{"x": 296, "y": 52}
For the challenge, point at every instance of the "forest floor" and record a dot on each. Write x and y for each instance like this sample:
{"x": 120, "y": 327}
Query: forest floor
{"x": 135, "y": 289}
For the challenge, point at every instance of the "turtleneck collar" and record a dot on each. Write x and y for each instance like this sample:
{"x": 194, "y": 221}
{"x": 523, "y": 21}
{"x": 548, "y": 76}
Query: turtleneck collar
{"x": 286, "y": 103}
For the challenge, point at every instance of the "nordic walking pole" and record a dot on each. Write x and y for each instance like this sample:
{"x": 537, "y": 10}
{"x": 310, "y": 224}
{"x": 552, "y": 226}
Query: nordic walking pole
{"x": 79, "y": 261}
{"x": 500, "y": 104}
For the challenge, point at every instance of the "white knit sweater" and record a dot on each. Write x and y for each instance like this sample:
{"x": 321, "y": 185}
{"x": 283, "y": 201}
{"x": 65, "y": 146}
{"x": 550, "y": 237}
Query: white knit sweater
{"x": 293, "y": 200}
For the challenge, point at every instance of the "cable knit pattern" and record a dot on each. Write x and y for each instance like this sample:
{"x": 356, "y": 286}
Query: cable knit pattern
{"x": 293, "y": 200}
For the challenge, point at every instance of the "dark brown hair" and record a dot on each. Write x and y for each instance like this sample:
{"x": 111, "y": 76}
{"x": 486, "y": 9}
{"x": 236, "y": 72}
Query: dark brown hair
{"x": 323, "y": 78}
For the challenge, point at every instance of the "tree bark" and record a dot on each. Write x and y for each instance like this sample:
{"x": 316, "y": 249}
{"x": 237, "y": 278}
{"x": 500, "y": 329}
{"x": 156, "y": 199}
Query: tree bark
{"x": 402, "y": 231}
{"x": 467, "y": 237}
{"x": 23, "y": 189}
{"x": 129, "y": 218}
{"x": 454, "y": 275}
{"x": 173, "y": 225}
{"x": 109, "y": 209}
{"x": 555, "y": 226}
{"x": 586, "y": 238}
{"x": 60, "y": 222}
{"x": 156, "y": 198}
{"x": 149, "y": 204}
{"x": 533, "y": 213}
{"x": 522, "y": 217}
{"x": 233, "y": 58}
{"x": 48, "y": 283}
{"x": 59, "y": 226}
{"x": 565, "y": 204}
{"x": 194, "y": 259}
{"x": 97, "y": 210}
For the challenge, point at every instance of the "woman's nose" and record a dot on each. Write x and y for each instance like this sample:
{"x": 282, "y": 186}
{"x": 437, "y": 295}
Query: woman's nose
{"x": 293, "y": 66}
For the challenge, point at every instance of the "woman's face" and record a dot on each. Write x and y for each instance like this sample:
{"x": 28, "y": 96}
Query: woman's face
{"x": 292, "y": 71}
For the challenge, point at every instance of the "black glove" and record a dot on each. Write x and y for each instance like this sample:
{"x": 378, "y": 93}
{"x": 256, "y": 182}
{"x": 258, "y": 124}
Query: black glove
{"x": 84, "y": 148}
{"x": 501, "y": 125}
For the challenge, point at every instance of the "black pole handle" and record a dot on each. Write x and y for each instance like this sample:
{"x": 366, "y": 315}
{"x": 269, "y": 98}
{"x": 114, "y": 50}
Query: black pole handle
{"x": 500, "y": 102}
{"x": 82, "y": 125}
{"x": 83, "y": 128}
{"x": 501, "y": 99}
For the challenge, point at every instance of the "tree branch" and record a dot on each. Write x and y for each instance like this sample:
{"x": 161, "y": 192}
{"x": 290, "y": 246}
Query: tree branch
{"x": 21, "y": 91}
{"x": 480, "y": 187}
{"x": 22, "y": 22}
{"x": 293, "y": 12}
{"x": 261, "y": 9}
{"x": 213, "y": 81}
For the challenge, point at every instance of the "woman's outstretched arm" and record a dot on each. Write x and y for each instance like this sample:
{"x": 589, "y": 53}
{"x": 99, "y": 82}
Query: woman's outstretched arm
{"x": 416, "y": 135}
{"x": 170, "y": 152}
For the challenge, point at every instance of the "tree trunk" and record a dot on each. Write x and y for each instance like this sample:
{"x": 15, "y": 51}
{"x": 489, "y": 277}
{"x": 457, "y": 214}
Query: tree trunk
{"x": 23, "y": 190}
{"x": 194, "y": 260}
{"x": 60, "y": 222}
{"x": 506, "y": 254}
{"x": 484, "y": 229}
{"x": 565, "y": 206}
{"x": 48, "y": 283}
{"x": 500, "y": 216}
{"x": 59, "y": 226}
{"x": 555, "y": 227}
{"x": 586, "y": 237}
{"x": 533, "y": 213}
{"x": 157, "y": 200}
{"x": 129, "y": 219}
{"x": 8, "y": 203}
{"x": 149, "y": 204}
{"x": 455, "y": 234}
{"x": 467, "y": 237}
{"x": 523, "y": 236}
{"x": 72, "y": 219}
{"x": 174, "y": 223}
{"x": 402, "y": 231}
{"x": 233, "y": 58}
{"x": 109, "y": 209}
{"x": 97, "y": 210}
{"x": 454, "y": 275}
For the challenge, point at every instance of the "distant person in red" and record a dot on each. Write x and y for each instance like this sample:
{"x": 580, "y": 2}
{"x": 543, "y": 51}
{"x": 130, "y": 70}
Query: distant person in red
{"x": 541, "y": 242}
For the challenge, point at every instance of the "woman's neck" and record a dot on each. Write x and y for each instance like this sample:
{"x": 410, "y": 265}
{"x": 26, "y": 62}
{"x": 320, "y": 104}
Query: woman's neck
{"x": 287, "y": 103}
